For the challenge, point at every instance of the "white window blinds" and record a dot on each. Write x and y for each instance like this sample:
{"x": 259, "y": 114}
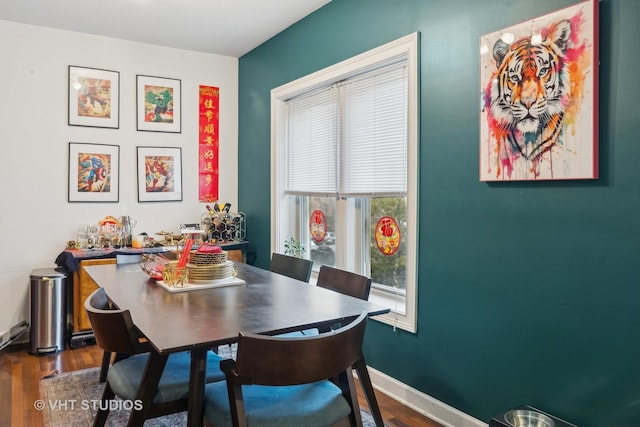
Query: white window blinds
{"x": 374, "y": 126}
{"x": 351, "y": 139}
{"x": 312, "y": 143}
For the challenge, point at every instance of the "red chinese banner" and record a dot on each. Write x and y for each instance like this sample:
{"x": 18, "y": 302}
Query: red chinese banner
{"x": 208, "y": 144}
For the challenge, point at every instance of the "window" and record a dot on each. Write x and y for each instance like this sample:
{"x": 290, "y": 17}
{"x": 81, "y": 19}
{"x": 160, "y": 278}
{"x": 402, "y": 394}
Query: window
{"x": 345, "y": 143}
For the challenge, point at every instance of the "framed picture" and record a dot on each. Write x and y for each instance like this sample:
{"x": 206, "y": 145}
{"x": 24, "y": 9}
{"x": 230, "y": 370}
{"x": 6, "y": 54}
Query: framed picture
{"x": 158, "y": 103}
{"x": 94, "y": 171}
{"x": 539, "y": 98}
{"x": 159, "y": 174}
{"x": 94, "y": 97}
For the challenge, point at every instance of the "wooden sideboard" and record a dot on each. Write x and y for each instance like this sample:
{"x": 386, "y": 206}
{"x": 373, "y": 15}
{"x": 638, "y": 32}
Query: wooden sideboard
{"x": 83, "y": 286}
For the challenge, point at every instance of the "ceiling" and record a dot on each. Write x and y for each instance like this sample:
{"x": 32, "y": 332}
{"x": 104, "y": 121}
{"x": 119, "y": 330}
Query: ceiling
{"x": 224, "y": 27}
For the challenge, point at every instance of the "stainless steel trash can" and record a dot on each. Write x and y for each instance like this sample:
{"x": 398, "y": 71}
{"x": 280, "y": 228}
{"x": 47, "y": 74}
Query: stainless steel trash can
{"x": 48, "y": 310}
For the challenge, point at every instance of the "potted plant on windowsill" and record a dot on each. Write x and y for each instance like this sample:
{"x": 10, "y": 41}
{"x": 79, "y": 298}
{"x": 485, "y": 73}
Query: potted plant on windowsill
{"x": 293, "y": 247}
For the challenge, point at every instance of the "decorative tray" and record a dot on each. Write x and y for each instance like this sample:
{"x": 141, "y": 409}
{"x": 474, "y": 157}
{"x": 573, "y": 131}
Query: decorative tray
{"x": 203, "y": 284}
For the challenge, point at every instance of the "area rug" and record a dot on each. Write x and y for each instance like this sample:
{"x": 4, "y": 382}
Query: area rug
{"x": 71, "y": 399}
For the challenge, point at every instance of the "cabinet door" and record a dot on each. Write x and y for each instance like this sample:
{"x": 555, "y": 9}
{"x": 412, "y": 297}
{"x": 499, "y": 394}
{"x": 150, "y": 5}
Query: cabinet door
{"x": 236, "y": 255}
{"x": 83, "y": 286}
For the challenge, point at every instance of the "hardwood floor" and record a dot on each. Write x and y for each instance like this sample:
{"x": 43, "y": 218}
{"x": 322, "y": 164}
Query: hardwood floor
{"x": 20, "y": 373}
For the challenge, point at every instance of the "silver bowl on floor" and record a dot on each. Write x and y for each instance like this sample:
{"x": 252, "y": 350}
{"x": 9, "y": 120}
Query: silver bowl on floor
{"x": 527, "y": 418}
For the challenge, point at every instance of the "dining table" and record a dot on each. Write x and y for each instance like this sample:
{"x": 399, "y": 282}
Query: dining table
{"x": 203, "y": 318}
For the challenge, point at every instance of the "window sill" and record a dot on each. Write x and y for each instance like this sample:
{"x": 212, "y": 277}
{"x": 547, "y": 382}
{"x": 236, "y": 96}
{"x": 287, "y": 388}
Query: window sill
{"x": 397, "y": 316}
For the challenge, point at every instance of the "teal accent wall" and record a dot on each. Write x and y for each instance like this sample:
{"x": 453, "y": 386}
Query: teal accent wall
{"x": 529, "y": 292}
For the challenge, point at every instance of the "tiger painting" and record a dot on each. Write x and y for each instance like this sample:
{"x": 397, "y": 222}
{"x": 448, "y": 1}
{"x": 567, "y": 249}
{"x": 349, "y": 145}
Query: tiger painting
{"x": 532, "y": 98}
{"x": 528, "y": 95}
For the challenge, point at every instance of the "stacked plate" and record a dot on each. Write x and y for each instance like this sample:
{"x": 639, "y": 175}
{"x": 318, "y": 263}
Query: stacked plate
{"x": 202, "y": 259}
{"x": 204, "y": 274}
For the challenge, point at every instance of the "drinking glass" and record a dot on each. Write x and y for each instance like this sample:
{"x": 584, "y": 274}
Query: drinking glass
{"x": 83, "y": 237}
{"x": 92, "y": 236}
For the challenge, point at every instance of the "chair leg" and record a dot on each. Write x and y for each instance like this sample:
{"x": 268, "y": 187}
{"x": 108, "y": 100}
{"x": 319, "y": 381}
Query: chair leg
{"x": 107, "y": 362}
{"x": 347, "y": 384}
{"x": 147, "y": 388}
{"x": 236, "y": 405}
{"x": 104, "y": 369}
{"x": 103, "y": 410}
{"x": 367, "y": 387}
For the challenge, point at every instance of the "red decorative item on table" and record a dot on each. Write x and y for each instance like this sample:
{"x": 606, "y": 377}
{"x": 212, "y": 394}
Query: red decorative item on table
{"x": 210, "y": 249}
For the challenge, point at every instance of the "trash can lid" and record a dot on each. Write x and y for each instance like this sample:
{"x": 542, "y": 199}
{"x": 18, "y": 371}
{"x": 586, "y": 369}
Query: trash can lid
{"x": 47, "y": 272}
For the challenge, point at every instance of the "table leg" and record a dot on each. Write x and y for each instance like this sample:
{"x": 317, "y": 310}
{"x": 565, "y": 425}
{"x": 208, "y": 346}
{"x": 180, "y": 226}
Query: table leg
{"x": 367, "y": 388}
{"x": 148, "y": 387}
{"x": 196, "y": 387}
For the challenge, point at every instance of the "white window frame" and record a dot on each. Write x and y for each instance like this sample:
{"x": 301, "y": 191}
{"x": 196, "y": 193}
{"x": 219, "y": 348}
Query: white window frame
{"x": 279, "y": 208}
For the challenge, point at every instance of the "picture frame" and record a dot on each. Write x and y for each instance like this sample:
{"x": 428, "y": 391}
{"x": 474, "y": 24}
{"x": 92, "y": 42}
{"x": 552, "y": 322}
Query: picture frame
{"x": 159, "y": 174}
{"x": 158, "y": 104}
{"x": 94, "y": 97}
{"x": 94, "y": 173}
{"x": 539, "y": 98}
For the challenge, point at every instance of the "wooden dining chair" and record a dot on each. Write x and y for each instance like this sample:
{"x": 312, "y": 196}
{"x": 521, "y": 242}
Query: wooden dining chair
{"x": 115, "y": 332}
{"x": 297, "y": 268}
{"x": 342, "y": 281}
{"x": 345, "y": 282}
{"x": 301, "y": 381}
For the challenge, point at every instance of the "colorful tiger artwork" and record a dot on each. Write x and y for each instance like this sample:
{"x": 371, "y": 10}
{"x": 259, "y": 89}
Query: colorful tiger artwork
{"x": 532, "y": 98}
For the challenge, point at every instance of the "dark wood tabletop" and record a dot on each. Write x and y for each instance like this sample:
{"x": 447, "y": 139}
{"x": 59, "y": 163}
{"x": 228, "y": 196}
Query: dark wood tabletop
{"x": 268, "y": 303}
{"x": 201, "y": 319}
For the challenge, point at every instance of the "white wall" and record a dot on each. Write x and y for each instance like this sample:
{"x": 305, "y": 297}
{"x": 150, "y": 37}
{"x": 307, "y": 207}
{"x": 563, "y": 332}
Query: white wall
{"x": 36, "y": 220}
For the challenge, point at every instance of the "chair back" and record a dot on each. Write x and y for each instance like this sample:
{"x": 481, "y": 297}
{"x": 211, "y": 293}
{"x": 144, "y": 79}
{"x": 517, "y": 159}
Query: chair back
{"x": 297, "y": 268}
{"x": 113, "y": 329}
{"x": 278, "y": 361}
{"x": 345, "y": 282}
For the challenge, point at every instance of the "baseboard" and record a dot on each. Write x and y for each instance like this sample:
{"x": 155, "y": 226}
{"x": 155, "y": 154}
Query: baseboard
{"x": 15, "y": 335}
{"x": 423, "y": 403}
{"x": 4, "y": 339}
